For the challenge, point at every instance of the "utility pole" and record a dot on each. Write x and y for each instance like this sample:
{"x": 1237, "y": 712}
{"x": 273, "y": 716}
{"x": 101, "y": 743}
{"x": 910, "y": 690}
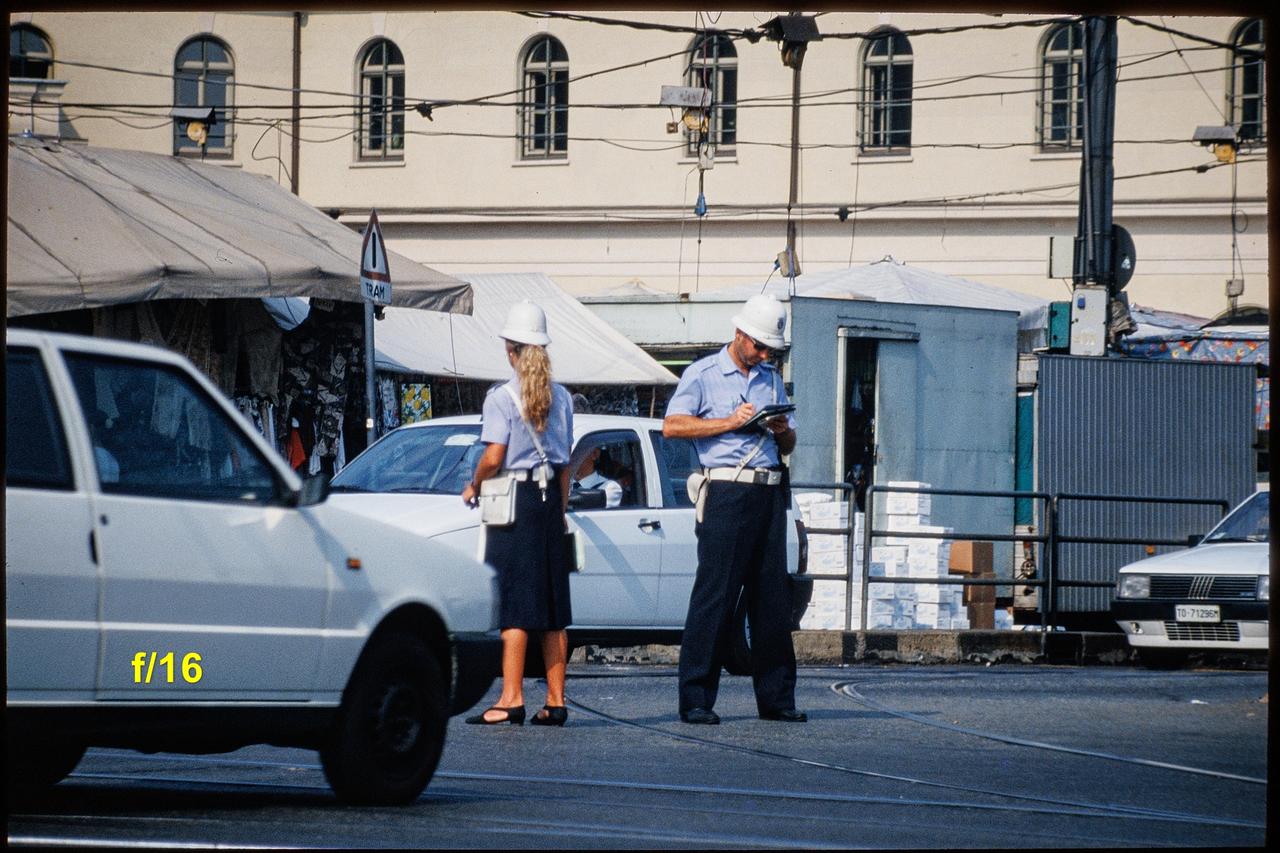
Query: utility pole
{"x": 1104, "y": 255}
{"x": 1093, "y": 249}
{"x": 794, "y": 32}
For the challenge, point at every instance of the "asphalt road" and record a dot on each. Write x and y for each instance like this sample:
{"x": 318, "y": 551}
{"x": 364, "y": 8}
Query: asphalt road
{"x": 893, "y": 756}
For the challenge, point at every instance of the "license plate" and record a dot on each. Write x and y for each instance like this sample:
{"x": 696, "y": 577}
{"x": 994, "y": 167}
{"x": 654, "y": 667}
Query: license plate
{"x": 1197, "y": 613}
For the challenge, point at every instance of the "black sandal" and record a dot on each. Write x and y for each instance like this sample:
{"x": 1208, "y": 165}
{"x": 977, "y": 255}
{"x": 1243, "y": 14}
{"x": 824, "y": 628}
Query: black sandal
{"x": 551, "y": 715}
{"x": 515, "y": 716}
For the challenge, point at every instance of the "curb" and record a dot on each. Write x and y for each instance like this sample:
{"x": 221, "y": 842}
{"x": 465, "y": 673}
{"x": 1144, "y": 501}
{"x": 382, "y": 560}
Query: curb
{"x": 835, "y": 648}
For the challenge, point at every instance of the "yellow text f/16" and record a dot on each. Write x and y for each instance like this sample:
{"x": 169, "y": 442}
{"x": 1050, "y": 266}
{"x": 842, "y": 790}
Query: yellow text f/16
{"x": 149, "y": 667}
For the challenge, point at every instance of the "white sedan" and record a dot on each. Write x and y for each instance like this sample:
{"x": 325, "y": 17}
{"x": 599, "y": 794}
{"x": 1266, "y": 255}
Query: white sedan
{"x": 1213, "y": 596}
{"x": 640, "y": 555}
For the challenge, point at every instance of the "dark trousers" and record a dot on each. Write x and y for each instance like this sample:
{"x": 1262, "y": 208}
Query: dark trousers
{"x": 741, "y": 545}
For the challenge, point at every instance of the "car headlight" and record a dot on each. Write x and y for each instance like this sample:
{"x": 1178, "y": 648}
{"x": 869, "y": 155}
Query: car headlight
{"x": 1133, "y": 586}
{"x": 1264, "y": 587}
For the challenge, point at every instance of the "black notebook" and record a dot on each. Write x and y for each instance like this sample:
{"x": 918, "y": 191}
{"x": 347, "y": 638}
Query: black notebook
{"x": 762, "y": 415}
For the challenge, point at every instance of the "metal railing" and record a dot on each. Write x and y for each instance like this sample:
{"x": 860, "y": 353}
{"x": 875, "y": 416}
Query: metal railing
{"x": 1051, "y": 539}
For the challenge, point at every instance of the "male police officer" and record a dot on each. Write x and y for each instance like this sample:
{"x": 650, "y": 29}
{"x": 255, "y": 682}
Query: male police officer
{"x": 742, "y": 525}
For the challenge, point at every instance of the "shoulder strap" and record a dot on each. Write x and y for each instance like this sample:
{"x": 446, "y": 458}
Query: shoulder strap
{"x": 529, "y": 429}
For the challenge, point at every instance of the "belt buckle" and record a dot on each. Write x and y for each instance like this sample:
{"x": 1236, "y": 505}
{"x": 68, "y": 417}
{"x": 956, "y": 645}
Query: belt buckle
{"x": 760, "y": 478}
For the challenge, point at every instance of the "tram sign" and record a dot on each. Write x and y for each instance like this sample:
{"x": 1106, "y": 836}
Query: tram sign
{"x": 375, "y": 276}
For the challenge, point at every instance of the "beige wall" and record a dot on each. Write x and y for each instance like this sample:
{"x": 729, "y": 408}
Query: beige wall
{"x": 610, "y": 214}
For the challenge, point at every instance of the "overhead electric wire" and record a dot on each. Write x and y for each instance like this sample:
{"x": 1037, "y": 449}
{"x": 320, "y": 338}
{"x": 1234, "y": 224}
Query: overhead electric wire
{"x": 641, "y": 145}
{"x": 760, "y": 101}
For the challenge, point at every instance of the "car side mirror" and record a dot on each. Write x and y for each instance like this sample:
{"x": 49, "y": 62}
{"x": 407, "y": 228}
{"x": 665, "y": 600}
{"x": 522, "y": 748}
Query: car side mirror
{"x": 315, "y": 490}
{"x": 1194, "y": 539}
{"x": 580, "y": 499}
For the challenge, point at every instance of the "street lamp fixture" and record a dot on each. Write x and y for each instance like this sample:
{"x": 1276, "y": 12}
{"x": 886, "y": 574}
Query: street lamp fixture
{"x": 198, "y": 121}
{"x": 1222, "y": 139}
{"x": 794, "y": 31}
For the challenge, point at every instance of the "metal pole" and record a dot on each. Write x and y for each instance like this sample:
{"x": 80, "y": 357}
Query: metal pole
{"x": 795, "y": 164}
{"x": 867, "y": 520}
{"x": 295, "y": 142}
{"x": 369, "y": 396}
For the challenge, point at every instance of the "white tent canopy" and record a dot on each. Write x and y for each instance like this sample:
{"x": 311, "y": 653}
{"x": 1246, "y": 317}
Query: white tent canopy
{"x": 90, "y": 227}
{"x": 584, "y": 349}
{"x": 890, "y": 281}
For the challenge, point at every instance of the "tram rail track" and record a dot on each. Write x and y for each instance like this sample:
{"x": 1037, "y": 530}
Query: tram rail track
{"x": 589, "y": 808}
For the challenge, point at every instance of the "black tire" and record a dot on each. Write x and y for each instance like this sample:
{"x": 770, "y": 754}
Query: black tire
{"x": 737, "y": 656}
{"x": 389, "y": 734}
{"x": 40, "y": 761}
{"x": 1163, "y": 658}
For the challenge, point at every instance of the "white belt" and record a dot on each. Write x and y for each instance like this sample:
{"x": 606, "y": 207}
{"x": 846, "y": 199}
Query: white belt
{"x": 756, "y": 476}
{"x": 540, "y": 474}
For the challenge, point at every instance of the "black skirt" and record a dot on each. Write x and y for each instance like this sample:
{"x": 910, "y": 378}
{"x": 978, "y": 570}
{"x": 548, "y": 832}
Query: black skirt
{"x": 532, "y": 562}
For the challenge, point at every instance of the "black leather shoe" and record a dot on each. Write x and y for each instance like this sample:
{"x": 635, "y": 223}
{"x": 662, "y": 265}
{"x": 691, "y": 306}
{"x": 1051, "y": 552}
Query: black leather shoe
{"x": 550, "y": 715}
{"x": 786, "y": 715}
{"x": 700, "y": 717}
{"x": 515, "y": 716}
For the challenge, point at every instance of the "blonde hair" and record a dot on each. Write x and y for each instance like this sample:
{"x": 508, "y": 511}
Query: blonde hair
{"x": 533, "y": 367}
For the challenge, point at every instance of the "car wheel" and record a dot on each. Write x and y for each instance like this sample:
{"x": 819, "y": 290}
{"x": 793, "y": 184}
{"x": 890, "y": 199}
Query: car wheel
{"x": 389, "y": 734}
{"x": 737, "y": 659}
{"x": 1163, "y": 658}
{"x": 37, "y": 762}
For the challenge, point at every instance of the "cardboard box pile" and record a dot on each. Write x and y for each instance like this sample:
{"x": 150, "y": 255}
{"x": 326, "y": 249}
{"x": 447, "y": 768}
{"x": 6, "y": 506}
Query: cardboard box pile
{"x": 903, "y": 606}
{"x": 891, "y": 604}
{"x": 829, "y": 555}
{"x": 975, "y": 559}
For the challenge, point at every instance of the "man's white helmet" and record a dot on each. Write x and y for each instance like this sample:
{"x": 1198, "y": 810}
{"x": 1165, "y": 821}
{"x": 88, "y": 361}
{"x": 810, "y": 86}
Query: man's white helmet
{"x": 526, "y": 324}
{"x": 763, "y": 318}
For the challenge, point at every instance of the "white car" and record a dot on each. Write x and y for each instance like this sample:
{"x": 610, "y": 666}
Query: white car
{"x": 1213, "y": 596}
{"x": 172, "y": 585}
{"x": 640, "y": 556}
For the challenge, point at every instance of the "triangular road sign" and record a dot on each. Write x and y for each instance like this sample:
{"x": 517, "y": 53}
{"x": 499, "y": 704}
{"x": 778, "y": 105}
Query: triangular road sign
{"x": 375, "y": 276}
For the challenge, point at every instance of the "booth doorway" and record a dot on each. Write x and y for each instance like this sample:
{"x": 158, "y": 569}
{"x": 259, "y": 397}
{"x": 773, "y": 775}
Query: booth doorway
{"x": 857, "y": 421}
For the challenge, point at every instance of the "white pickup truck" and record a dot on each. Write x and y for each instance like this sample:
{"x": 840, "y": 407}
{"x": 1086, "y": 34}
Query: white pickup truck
{"x": 173, "y": 586}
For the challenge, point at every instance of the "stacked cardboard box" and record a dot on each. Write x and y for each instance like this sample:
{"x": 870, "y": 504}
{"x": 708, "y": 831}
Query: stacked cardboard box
{"x": 912, "y": 605}
{"x": 829, "y": 555}
{"x": 975, "y": 560}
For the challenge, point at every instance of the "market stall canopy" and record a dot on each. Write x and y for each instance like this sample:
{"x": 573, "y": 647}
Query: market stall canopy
{"x": 90, "y": 227}
{"x": 888, "y": 280}
{"x": 1167, "y": 336}
{"x": 584, "y": 349}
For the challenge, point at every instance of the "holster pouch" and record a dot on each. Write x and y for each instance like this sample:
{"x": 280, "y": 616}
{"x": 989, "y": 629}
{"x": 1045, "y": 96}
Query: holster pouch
{"x": 696, "y": 486}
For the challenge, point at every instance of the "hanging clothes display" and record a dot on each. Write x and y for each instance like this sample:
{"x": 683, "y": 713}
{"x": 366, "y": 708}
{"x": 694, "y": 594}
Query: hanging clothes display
{"x": 321, "y": 360}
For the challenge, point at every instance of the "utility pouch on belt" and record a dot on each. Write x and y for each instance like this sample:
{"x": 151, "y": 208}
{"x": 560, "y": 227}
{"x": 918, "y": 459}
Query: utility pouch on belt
{"x": 696, "y": 486}
{"x": 498, "y": 501}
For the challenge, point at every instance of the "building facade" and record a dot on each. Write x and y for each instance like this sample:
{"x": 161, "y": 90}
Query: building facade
{"x": 535, "y": 142}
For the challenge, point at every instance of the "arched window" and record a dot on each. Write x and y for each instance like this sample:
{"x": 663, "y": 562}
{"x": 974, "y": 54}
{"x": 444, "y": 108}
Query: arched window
{"x": 1061, "y": 120}
{"x": 381, "y": 125}
{"x": 544, "y": 100}
{"x": 30, "y": 55}
{"x": 1246, "y": 95}
{"x": 886, "y": 92}
{"x": 713, "y": 64}
{"x": 204, "y": 76}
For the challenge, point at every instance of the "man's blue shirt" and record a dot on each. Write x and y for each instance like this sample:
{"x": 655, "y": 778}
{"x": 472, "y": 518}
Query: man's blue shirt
{"x": 713, "y": 387}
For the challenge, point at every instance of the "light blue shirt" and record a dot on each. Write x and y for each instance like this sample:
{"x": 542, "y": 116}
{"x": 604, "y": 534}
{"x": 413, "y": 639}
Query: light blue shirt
{"x": 713, "y": 387}
{"x": 501, "y": 424}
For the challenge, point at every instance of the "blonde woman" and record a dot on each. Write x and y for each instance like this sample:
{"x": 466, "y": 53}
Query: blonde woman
{"x": 528, "y": 433}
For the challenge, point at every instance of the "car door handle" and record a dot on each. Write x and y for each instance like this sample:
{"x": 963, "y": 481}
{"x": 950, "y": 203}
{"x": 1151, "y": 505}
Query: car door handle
{"x": 646, "y": 524}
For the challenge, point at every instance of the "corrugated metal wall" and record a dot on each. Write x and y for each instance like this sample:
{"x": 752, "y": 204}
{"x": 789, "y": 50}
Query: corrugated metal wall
{"x": 1133, "y": 427}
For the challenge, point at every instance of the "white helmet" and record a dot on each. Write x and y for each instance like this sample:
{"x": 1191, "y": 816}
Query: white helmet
{"x": 763, "y": 318}
{"x": 526, "y": 324}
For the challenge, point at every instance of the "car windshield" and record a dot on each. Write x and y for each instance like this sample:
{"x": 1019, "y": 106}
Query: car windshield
{"x": 1251, "y": 522}
{"x": 433, "y": 459}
